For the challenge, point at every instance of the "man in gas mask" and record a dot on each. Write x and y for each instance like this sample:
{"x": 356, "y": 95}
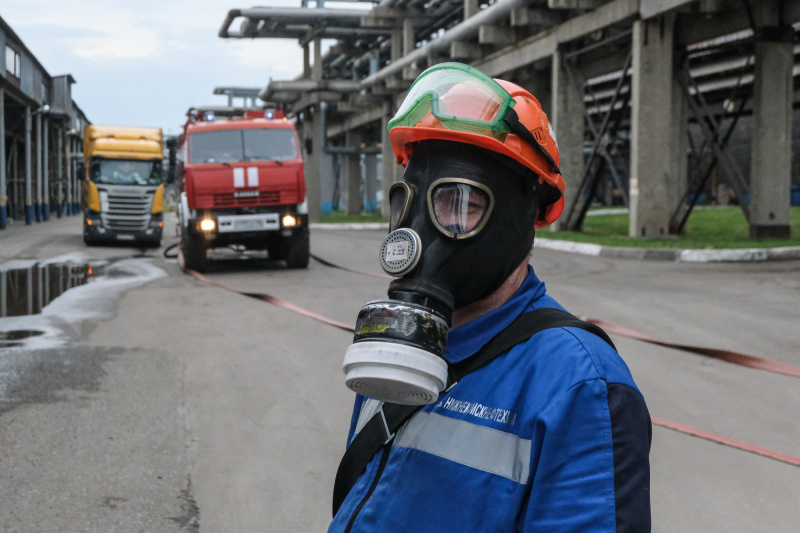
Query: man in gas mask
{"x": 482, "y": 405}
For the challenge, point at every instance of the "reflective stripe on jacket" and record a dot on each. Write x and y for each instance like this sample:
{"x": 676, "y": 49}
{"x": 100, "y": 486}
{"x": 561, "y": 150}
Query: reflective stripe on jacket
{"x": 551, "y": 436}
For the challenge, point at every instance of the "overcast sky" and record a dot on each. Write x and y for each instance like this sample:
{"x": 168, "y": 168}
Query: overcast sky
{"x": 145, "y": 62}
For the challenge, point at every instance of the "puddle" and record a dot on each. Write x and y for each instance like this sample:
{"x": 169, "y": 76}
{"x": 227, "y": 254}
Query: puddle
{"x": 13, "y": 338}
{"x": 27, "y": 287}
{"x": 46, "y": 303}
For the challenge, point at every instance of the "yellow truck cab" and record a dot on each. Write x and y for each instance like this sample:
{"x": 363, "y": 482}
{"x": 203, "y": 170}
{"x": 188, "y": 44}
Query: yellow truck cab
{"x": 123, "y": 193}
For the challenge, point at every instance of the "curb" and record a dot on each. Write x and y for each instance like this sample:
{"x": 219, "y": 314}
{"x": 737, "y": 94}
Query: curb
{"x": 658, "y": 254}
{"x": 786, "y": 253}
{"x": 351, "y": 225}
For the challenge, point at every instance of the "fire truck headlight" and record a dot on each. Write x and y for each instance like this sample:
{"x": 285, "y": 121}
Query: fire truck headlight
{"x": 207, "y": 224}
{"x": 289, "y": 221}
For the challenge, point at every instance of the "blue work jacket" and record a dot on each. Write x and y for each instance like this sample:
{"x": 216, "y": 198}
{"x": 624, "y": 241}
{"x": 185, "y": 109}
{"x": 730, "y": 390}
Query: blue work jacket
{"x": 551, "y": 436}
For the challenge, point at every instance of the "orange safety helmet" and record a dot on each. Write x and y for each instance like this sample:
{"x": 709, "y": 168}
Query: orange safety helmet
{"x": 531, "y": 117}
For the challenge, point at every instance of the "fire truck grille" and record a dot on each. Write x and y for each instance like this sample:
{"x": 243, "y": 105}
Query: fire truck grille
{"x": 128, "y": 210}
{"x": 264, "y": 198}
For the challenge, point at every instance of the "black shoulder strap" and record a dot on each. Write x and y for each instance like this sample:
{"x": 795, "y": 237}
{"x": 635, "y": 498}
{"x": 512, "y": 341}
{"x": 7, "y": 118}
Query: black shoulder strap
{"x": 381, "y": 428}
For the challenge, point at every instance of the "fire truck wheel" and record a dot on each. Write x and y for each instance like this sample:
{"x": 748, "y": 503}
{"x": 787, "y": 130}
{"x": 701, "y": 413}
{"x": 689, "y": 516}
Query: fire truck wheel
{"x": 298, "y": 249}
{"x": 194, "y": 252}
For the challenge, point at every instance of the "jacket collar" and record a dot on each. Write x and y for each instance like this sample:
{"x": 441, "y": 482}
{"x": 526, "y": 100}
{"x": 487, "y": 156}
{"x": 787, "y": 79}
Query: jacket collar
{"x": 465, "y": 340}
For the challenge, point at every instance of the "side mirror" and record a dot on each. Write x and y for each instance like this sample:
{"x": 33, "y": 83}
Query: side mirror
{"x": 81, "y": 170}
{"x": 309, "y": 145}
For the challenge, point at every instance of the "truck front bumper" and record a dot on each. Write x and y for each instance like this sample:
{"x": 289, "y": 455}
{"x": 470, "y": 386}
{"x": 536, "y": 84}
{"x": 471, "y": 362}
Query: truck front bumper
{"x": 243, "y": 229}
{"x": 94, "y": 230}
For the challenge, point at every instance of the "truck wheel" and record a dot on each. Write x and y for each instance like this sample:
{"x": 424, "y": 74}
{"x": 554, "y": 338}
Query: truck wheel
{"x": 194, "y": 251}
{"x": 298, "y": 249}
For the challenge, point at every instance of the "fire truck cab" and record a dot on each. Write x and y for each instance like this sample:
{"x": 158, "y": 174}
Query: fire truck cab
{"x": 242, "y": 184}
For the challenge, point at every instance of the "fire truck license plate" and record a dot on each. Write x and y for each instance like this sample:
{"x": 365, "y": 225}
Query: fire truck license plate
{"x": 249, "y": 224}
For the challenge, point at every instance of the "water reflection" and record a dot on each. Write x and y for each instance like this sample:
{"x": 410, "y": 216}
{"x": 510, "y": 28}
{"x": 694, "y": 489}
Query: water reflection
{"x": 26, "y": 287}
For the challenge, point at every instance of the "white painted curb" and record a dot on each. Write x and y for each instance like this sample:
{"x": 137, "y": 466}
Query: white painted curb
{"x": 620, "y": 252}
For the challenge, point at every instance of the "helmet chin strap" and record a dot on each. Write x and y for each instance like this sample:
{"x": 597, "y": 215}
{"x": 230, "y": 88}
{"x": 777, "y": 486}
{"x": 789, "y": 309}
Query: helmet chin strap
{"x": 517, "y": 128}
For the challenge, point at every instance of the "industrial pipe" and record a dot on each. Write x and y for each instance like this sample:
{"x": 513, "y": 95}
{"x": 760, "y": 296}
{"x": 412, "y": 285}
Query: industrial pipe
{"x": 467, "y": 30}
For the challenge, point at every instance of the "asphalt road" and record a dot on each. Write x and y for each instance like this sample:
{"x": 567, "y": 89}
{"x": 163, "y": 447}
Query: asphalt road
{"x": 155, "y": 402}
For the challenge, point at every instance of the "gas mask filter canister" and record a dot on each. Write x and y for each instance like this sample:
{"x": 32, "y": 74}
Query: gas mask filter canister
{"x": 397, "y": 350}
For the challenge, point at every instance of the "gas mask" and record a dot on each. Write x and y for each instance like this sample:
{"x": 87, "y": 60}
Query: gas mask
{"x": 462, "y": 220}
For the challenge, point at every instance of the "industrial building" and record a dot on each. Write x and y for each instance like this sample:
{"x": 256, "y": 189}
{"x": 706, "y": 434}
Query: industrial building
{"x": 657, "y": 104}
{"x": 42, "y": 132}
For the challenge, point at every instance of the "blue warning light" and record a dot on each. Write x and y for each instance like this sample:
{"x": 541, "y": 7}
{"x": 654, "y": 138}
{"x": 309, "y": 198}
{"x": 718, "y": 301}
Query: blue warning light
{"x": 209, "y": 117}
{"x": 269, "y": 115}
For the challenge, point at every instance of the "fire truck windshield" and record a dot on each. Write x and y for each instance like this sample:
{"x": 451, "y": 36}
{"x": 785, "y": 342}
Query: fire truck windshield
{"x": 233, "y": 146}
{"x": 125, "y": 172}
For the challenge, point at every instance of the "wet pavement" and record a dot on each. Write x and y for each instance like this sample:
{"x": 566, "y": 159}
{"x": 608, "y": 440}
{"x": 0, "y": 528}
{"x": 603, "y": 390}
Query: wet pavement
{"x": 145, "y": 400}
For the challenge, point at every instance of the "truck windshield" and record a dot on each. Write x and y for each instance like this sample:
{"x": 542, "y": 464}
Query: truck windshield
{"x": 233, "y": 146}
{"x": 125, "y": 172}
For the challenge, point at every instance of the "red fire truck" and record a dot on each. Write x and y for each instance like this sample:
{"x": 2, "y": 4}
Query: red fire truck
{"x": 242, "y": 185}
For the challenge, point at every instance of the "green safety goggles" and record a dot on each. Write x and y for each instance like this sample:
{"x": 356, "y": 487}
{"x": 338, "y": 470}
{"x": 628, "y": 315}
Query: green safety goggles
{"x": 462, "y": 98}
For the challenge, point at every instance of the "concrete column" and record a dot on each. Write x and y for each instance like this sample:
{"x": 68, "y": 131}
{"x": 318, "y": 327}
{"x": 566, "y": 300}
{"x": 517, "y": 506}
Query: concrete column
{"x": 77, "y": 186}
{"x": 28, "y": 169}
{"x": 46, "y": 171}
{"x": 409, "y": 43}
{"x": 771, "y": 149}
{"x": 371, "y": 183}
{"x": 390, "y": 171}
{"x": 313, "y": 165}
{"x": 67, "y": 149}
{"x": 678, "y": 146}
{"x": 3, "y": 294}
{"x": 327, "y": 179}
{"x": 60, "y": 169}
{"x": 397, "y": 43}
{"x": 470, "y": 8}
{"x": 651, "y": 123}
{"x": 354, "y": 198}
{"x": 306, "y": 61}
{"x": 316, "y": 68}
{"x": 39, "y": 177}
{"x": 567, "y": 120}
{"x": 3, "y": 176}
{"x": 540, "y": 84}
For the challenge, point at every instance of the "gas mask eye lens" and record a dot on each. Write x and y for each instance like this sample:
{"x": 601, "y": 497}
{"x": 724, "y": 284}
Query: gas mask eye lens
{"x": 459, "y": 208}
{"x": 400, "y": 197}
